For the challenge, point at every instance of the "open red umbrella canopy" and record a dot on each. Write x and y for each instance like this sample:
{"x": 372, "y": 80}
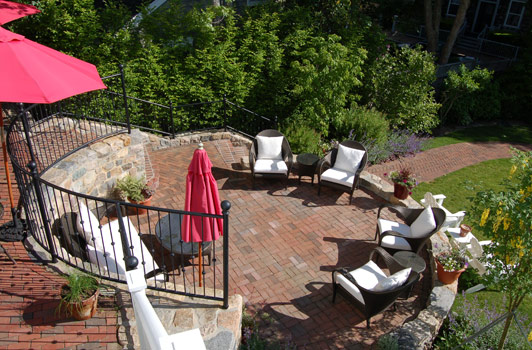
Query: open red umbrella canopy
{"x": 201, "y": 197}
{"x": 33, "y": 73}
{"x": 10, "y": 11}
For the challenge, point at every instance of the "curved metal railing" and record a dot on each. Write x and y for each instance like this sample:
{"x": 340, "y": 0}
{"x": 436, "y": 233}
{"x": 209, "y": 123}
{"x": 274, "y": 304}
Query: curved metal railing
{"x": 103, "y": 236}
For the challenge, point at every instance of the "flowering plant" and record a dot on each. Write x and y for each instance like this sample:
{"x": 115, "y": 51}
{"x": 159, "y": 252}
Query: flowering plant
{"x": 403, "y": 177}
{"x": 453, "y": 260}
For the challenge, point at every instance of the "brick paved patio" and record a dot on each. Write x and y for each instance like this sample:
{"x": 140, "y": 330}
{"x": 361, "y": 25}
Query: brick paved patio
{"x": 284, "y": 245}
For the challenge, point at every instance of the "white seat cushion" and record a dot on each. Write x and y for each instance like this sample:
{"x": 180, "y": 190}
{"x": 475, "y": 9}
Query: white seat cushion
{"x": 87, "y": 224}
{"x": 271, "y": 166}
{"x": 338, "y": 176}
{"x": 424, "y": 224}
{"x": 270, "y": 147}
{"x": 393, "y": 241}
{"x": 106, "y": 254}
{"x": 396, "y": 280}
{"x": 368, "y": 276}
{"x": 348, "y": 159}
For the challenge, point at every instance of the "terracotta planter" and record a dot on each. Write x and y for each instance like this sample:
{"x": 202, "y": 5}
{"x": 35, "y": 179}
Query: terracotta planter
{"x": 85, "y": 309}
{"x": 464, "y": 230}
{"x": 447, "y": 277}
{"x": 139, "y": 211}
{"x": 400, "y": 191}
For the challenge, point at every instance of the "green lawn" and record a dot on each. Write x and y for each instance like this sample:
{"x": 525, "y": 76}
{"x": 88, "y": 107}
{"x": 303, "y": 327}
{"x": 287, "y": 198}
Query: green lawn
{"x": 521, "y": 134}
{"x": 460, "y": 185}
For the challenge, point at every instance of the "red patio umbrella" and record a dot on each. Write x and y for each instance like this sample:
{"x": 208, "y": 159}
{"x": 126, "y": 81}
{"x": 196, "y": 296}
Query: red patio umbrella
{"x": 33, "y": 73}
{"x": 10, "y": 11}
{"x": 201, "y": 197}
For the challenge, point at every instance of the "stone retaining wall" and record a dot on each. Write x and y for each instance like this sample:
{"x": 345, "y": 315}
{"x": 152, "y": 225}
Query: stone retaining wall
{"x": 93, "y": 170}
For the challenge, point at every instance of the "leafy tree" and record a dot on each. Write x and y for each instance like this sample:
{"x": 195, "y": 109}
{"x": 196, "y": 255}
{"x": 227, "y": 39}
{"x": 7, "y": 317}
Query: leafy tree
{"x": 506, "y": 217}
{"x": 319, "y": 78}
{"x": 464, "y": 94}
{"x": 401, "y": 88}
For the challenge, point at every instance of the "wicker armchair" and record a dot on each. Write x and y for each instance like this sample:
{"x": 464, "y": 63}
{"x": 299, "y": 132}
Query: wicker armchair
{"x": 274, "y": 162}
{"x": 361, "y": 285}
{"x": 344, "y": 174}
{"x": 411, "y": 235}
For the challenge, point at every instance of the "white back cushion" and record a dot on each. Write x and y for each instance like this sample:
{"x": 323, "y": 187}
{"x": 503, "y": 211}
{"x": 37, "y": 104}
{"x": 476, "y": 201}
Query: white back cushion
{"x": 424, "y": 223}
{"x": 394, "y": 281}
{"x": 348, "y": 159}
{"x": 270, "y": 147}
{"x": 87, "y": 224}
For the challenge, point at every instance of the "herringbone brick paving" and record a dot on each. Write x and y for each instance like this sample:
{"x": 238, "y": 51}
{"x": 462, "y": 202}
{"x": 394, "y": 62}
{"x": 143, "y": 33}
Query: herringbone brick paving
{"x": 283, "y": 246}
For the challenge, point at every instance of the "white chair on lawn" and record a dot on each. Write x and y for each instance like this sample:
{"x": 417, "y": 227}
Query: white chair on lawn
{"x": 452, "y": 220}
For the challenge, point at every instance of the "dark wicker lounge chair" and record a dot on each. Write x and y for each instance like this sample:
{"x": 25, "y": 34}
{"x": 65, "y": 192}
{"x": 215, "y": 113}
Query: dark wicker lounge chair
{"x": 340, "y": 177}
{"x": 395, "y": 236}
{"x": 272, "y": 166}
{"x": 369, "y": 301}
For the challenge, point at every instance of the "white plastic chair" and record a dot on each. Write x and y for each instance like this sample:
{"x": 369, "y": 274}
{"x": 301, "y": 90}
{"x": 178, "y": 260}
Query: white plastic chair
{"x": 452, "y": 220}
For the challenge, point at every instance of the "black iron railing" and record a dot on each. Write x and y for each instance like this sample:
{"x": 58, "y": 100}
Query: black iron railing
{"x": 104, "y": 236}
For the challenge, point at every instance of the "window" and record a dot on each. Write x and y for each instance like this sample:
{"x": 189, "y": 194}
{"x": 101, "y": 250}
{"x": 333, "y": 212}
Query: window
{"x": 452, "y": 8}
{"x": 254, "y": 2}
{"x": 515, "y": 14}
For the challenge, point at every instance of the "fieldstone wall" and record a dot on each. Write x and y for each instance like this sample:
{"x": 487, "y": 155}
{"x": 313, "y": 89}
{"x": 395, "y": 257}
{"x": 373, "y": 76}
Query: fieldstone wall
{"x": 158, "y": 143}
{"x": 93, "y": 170}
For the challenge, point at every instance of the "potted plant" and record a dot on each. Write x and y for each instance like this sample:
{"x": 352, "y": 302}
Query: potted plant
{"x": 79, "y": 296}
{"x": 403, "y": 182}
{"x": 135, "y": 190}
{"x": 450, "y": 265}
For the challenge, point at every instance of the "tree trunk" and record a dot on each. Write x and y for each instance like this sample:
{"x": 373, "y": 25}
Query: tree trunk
{"x": 505, "y": 331}
{"x": 513, "y": 304}
{"x": 458, "y": 21}
{"x": 432, "y": 24}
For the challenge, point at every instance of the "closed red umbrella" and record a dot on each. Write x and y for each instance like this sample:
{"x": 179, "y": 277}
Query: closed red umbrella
{"x": 10, "y": 11}
{"x": 201, "y": 197}
{"x": 33, "y": 73}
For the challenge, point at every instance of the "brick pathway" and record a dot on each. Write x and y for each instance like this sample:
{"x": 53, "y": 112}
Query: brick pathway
{"x": 284, "y": 245}
{"x": 29, "y": 295}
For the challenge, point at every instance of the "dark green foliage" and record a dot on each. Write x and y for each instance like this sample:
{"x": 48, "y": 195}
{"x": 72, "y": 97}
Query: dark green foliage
{"x": 303, "y": 139}
{"x": 515, "y": 84}
{"x": 359, "y": 121}
{"x": 469, "y": 278}
{"x": 401, "y": 88}
{"x": 301, "y": 61}
{"x": 469, "y": 95}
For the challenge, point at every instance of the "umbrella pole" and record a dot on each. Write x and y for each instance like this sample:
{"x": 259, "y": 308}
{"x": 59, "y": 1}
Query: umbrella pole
{"x": 6, "y": 163}
{"x": 200, "y": 263}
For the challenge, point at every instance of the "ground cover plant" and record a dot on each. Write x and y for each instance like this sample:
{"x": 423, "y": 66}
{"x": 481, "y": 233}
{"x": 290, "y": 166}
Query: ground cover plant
{"x": 498, "y": 133}
{"x": 473, "y": 312}
{"x": 459, "y": 186}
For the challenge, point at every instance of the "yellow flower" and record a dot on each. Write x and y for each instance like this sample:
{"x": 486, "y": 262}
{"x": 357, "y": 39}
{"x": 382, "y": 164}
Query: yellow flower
{"x": 530, "y": 336}
{"x": 513, "y": 169}
{"x": 506, "y": 223}
{"x": 484, "y": 217}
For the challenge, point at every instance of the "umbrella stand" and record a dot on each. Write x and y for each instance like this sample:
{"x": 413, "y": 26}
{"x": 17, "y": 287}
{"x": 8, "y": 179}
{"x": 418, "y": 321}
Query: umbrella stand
{"x": 13, "y": 230}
